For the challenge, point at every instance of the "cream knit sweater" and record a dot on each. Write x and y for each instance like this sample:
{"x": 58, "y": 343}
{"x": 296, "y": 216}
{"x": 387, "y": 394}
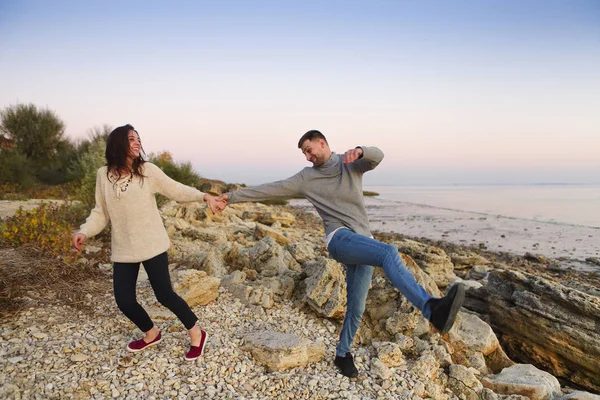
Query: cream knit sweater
{"x": 138, "y": 233}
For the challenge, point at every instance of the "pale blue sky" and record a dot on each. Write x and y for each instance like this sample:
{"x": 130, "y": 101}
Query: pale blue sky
{"x": 451, "y": 91}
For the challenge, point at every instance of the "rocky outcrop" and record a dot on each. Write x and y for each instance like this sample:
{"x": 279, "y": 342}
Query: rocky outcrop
{"x": 263, "y": 261}
{"x": 464, "y": 383}
{"x": 388, "y": 313}
{"x": 433, "y": 260}
{"x": 475, "y": 345}
{"x": 324, "y": 289}
{"x": 266, "y": 257}
{"x": 554, "y": 326}
{"x": 524, "y": 380}
{"x": 262, "y": 231}
{"x": 196, "y": 287}
{"x": 278, "y": 351}
{"x": 270, "y": 217}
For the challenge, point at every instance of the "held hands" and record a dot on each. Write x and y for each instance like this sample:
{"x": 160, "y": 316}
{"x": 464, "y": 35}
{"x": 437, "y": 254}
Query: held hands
{"x": 215, "y": 203}
{"x": 223, "y": 197}
{"x": 352, "y": 155}
{"x": 78, "y": 240}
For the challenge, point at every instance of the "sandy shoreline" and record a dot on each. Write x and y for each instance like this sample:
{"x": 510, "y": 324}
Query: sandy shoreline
{"x": 9, "y": 207}
{"x": 572, "y": 244}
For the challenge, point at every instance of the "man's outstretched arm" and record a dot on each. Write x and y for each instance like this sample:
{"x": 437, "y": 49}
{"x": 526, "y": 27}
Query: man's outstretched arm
{"x": 364, "y": 158}
{"x": 287, "y": 188}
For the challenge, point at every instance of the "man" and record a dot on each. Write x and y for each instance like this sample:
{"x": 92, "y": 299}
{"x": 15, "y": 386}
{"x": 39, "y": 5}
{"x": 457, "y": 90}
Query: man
{"x": 334, "y": 186}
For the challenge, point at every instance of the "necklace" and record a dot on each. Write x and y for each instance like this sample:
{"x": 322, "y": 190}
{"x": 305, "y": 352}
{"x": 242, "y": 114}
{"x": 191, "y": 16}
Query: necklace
{"x": 120, "y": 185}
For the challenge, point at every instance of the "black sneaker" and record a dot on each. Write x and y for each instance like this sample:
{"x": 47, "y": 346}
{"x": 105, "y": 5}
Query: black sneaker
{"x": 346, "y": 365}
{"x": 444, "y": 310}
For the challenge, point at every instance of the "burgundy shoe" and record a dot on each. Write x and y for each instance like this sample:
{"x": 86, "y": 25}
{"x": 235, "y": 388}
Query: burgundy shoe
{"x": 139, "y": 345}
{"x": 196, "y": 351}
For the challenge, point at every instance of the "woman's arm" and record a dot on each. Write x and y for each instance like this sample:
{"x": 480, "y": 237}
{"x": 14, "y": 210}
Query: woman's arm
{"x": 98, "y": 218}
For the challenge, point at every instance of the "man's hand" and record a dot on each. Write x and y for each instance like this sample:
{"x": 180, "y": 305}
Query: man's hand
{"x": 352, "y": 155}
{"x": 214, "y": 203}
{"x": 223, "y": 197}
{"x": 78, "y": 240}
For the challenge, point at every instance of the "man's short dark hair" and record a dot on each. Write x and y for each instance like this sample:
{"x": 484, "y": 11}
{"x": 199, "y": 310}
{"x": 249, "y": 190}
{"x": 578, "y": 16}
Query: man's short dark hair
{"x": 310, "y": 135}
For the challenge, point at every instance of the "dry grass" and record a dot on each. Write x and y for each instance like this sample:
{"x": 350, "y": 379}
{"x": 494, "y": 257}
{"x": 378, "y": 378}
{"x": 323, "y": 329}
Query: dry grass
{"x": 29, "y": 278}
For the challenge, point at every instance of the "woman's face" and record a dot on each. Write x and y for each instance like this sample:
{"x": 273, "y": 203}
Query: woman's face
{"x": 135, "y": 145}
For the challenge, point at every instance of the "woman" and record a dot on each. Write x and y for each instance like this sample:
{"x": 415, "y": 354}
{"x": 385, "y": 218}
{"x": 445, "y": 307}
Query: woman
{"x": 125, "y": 190}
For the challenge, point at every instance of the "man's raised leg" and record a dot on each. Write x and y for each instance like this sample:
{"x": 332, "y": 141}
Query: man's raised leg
{"x": 348, "y": 247}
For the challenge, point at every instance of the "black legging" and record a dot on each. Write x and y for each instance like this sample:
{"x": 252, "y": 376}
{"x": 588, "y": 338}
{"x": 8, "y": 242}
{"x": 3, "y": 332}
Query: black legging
{"x": 124, "y": 282}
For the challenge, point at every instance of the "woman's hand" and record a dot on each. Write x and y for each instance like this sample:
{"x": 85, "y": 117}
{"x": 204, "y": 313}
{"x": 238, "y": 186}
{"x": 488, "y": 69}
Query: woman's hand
{"x": 215, "y": 204}
{"x": 78, "y": 240}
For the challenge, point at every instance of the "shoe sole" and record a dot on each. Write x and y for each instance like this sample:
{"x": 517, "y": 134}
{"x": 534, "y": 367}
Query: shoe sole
{"x": 145, "y": 347}
{"x": 456, "y": 305}
{"x": 201, "y": 349}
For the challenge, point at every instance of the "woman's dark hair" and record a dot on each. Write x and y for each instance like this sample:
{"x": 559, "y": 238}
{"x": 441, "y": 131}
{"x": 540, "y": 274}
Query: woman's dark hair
{"x": 117, "y": 149}
{"x": 311, "y": 135}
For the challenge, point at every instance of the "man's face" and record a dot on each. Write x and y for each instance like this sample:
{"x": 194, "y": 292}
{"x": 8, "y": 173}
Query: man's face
{"x": 316, "y": 151}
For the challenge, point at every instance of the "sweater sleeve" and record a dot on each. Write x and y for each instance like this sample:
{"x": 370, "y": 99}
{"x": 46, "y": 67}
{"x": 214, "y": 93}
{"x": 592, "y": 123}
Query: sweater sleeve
{"x": 370, "y": 159}
{"x": 98, "y": 218}
{"x": 287, "y": 188}
{"x": 162, "y": 184}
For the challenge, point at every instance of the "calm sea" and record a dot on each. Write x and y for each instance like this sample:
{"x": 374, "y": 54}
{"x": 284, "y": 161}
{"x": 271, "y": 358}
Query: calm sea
{"x": 562, "y": 204}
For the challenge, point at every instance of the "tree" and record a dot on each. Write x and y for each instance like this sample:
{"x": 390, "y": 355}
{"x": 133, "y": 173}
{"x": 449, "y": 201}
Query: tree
{"x": 36, "y": 133}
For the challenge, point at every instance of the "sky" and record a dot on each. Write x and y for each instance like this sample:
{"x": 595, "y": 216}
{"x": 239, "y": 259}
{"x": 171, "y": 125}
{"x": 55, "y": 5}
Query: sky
{"x": 453, "y": 92}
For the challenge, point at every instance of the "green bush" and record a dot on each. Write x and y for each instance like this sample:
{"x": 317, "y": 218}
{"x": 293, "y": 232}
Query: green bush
{"x": 15, "y": 168}
{"x": 371, "y": 194}
{"x": 48, "y": 227}
{"x": 182, "y": 172}
{"x": 13, "y": 191}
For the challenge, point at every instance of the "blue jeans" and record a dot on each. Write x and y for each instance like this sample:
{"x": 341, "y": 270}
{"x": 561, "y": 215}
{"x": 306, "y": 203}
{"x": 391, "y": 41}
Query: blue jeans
{"x": 359, "y": 253}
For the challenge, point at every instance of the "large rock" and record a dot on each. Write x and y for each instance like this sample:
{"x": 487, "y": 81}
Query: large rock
{"x": 475, "y": 345}
{"x": 196, "y": 287}
{"x": 325, "y": 288}
{"x": 390, "y": 354}
{"x": 433, "y": 260}
{"x": 388, "y": 312}
{"x": 426, "y": 367}
{"x": 191, "y": 212}
{"x": 213, "y": 264}
{"x": 478, "y": 272}
{"x": 262, "y": 231}
{"x": 278, "y": 351}
{"x": 463, "y": 259}
{"x": 266, "y": 257}
{"x": 546, "y": 323}
{"x": 252, "y": 293}
{"x": 269, "y": 218}
{"x": 464, "y": 383}
{"x": 301, "y": 252}
{"x": 379, "y": 368}
{"x": 210, "y": 235}
{"x": 524, "y": 380}
{"x": 579, "y": 395}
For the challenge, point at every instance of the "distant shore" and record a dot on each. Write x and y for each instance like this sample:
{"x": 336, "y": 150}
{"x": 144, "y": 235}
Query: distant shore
{"x": 570, "y": 245}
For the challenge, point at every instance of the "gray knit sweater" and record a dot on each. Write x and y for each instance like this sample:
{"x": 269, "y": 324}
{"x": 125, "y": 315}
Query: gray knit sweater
{"x": 334, "y": 188}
